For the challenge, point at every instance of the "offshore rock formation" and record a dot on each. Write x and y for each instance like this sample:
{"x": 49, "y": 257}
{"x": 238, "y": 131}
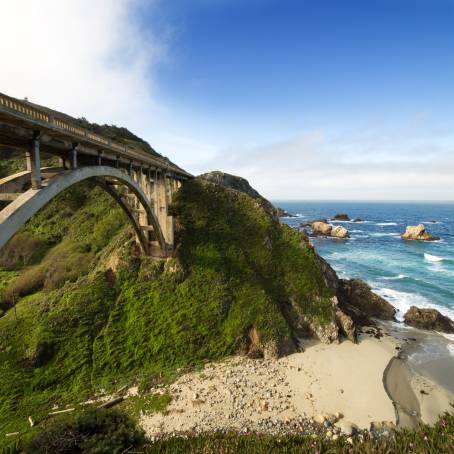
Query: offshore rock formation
{"x": 419, "y": 233}
{"x": 341, "y": 217}
{"x": 429, "y": 319}
{"x": 322, "y": 228}
{"x": 340, "y": 232}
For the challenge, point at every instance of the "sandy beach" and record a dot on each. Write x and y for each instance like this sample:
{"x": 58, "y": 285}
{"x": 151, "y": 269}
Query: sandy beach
{"x": 351, "y": 386}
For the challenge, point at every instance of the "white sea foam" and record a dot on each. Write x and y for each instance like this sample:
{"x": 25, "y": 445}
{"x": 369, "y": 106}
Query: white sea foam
{"x": 433, "y": 258}
{"x": 386, "y": 223}
{"x": 403, "y": 300}
{"x": 394, "y": 278}
{"x": 385, "y": 234}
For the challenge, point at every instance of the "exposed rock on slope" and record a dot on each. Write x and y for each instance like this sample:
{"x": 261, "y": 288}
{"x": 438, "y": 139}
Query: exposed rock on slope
{"x": 418, "y": 232}
{"x": 428, "y": 319}
{"x": 361, "y": 303}
{"x": 356, "y": 299}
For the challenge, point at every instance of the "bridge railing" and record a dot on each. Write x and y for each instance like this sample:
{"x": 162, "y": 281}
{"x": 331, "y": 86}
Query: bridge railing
{"x": 24, "y": 110}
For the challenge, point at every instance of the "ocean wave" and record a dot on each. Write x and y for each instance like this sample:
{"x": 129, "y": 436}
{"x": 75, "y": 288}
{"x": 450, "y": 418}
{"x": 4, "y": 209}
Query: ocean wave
{"x": 385, "y": 234}
{"x": 386, "y": 223}
{"x": 394, "y": 278}
{"x": 433, "y": 258}
{"x": 402, "y": 301}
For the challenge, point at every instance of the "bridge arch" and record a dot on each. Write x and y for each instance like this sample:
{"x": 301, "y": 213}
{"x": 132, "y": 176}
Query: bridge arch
{"x": 19, "y": 211}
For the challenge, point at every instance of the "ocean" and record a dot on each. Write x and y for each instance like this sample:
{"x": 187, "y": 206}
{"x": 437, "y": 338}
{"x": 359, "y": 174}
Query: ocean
{"x": 403, "y": 272}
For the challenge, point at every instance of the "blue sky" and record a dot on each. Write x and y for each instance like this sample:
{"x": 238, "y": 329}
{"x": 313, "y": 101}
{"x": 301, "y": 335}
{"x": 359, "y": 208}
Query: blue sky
{"x": 309, "y": 99}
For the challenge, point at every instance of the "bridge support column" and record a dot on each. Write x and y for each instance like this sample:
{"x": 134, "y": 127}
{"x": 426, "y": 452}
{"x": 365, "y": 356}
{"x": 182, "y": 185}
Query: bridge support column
{"x": 73, "y": 156}
{"x": 168, "y": 219}
{"x": 33, "y": 159}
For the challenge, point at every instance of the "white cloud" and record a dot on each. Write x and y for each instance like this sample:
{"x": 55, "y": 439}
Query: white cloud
{"x": 313, "y": 166}
{"x": 84, "y": 57}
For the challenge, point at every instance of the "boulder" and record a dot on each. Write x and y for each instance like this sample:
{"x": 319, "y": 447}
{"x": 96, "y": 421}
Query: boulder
{"x": 321, "y": 228}
{"x": 341, "y": 217}
{"x": 346, "y": 427}
{"x": 358, "y": 301}
{"x": 347, "y": 325}
{"x": 340, "y": 232}
{"x": 309, "y": 223}
{"x": 358, "y": 220}
{"x": 428, "y": 319}
{"x": 418, "y": 232}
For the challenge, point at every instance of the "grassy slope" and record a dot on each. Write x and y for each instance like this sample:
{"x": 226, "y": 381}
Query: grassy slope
{"x": 77, "y": 331}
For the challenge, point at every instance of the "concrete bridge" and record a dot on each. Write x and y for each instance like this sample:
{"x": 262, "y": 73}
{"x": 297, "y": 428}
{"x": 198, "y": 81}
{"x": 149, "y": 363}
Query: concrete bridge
{"x": 141, "y": 183}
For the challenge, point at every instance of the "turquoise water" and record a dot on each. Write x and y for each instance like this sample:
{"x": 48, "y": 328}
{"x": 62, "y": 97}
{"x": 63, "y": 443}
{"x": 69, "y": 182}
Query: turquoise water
{"x": 404, "y": 272}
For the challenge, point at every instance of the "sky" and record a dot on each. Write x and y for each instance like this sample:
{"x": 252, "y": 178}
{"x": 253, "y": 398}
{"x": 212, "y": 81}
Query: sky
{"x": 307, "y": 99}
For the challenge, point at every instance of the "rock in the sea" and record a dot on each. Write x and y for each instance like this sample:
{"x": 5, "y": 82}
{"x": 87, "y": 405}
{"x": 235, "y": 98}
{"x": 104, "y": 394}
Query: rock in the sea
{"x": 341, "y": 217}
{"x": 309, "y": 223}
{"x": 340, "y": 232}
{"x": 428, "y": 319}
{"x": 357, "y": 300}
{"x": 358, "y": 220}
{"x": 321, "y": 228}
{"x": 418, "y": 232}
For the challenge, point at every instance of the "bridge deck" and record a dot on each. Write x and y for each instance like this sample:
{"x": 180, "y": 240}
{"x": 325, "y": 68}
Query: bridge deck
{"x": 18, "y": 120}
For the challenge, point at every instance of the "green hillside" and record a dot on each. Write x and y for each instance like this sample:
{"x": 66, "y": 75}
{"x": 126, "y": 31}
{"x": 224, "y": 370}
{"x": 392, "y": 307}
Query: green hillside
{"x": 83, "y": 311}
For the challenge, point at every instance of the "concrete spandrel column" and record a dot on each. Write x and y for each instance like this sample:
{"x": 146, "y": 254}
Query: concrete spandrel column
{"x": 33, "y": 159}
{"x": 73, "y": 156}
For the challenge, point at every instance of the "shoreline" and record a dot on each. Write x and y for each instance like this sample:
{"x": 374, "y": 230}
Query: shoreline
{"x": 335, "y": 389}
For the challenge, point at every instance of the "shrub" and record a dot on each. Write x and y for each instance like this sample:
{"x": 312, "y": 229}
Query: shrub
{"x": 95, "y": 431}
{"x": 23, "y": 249}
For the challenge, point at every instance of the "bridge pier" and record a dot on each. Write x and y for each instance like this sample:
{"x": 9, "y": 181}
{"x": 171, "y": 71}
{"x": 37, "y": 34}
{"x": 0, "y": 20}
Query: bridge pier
{"x": 73, "y": 156}
{"x": 33, "y": 159}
